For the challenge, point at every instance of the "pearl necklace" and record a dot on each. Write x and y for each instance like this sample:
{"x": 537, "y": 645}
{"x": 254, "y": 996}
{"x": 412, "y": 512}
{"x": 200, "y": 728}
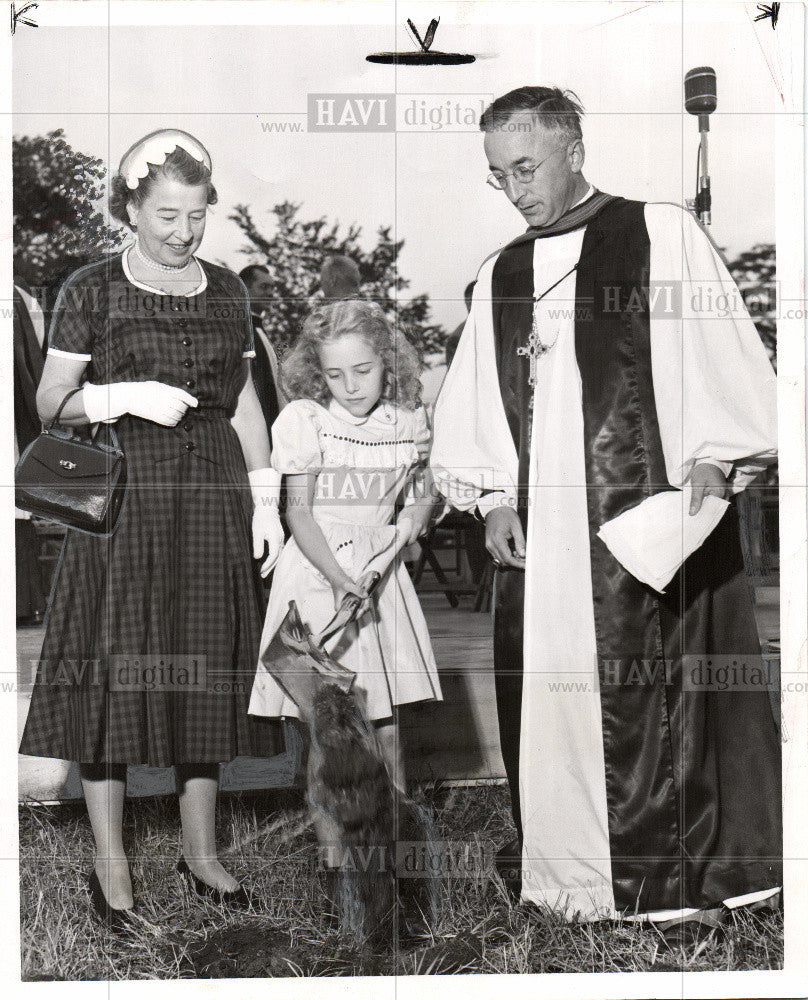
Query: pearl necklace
{"x": 168, "y": 268}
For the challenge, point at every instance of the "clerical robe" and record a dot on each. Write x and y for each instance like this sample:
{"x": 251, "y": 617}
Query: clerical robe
{"x": 637, "y": 787}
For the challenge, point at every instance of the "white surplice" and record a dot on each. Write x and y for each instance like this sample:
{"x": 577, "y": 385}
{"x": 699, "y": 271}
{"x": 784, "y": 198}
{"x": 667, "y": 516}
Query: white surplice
{"x": 715, "y": 398}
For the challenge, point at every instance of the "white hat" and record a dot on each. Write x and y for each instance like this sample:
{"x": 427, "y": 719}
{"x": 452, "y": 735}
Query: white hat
{"x": 153, "y": 149}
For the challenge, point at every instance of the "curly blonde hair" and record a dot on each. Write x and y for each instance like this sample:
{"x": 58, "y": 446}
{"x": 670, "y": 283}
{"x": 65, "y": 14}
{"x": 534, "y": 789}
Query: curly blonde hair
{"x": 301, "y": 372}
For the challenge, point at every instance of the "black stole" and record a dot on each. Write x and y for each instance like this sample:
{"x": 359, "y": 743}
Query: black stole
{"x": 675, "y": 791}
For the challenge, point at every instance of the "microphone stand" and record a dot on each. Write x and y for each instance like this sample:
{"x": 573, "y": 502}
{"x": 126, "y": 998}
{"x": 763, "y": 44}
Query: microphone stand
{"x": 702, "y": 203}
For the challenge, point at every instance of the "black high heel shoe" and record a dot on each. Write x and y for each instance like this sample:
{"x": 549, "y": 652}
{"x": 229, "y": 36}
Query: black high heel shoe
{"x": 116, "y": 920}
{"x": 237, "y": 898}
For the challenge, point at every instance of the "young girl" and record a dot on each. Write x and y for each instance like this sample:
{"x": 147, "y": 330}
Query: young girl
{"x": 347, "y": 444}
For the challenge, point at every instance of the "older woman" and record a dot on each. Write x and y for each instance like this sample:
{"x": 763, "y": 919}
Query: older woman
{"x": 164, "y": 615}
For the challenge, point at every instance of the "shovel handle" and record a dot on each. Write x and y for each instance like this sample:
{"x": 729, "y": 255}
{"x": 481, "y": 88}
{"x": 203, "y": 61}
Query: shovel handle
{"x": 350, "y": 603}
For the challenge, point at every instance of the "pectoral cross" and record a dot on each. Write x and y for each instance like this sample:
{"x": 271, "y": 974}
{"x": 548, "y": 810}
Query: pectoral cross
{"x": 534, "y": 349}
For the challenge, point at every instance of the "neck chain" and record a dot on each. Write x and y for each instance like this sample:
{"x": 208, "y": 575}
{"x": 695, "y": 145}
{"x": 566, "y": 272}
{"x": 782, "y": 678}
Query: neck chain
{"x": 166, "y": 268}
{"x": 535, "y": 347}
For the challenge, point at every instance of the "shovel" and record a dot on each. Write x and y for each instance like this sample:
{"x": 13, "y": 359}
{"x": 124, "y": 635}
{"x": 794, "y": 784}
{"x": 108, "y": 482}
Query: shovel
{"x": 297, "y": 658}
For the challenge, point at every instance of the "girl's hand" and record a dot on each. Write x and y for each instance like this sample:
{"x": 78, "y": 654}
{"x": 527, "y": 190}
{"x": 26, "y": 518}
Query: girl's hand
{"x": 344, "y": 586}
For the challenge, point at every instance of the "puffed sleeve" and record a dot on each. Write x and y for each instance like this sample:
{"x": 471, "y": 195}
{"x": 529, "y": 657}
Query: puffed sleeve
{"x": 296, "y": 439}
{"x": 72, "y": 329}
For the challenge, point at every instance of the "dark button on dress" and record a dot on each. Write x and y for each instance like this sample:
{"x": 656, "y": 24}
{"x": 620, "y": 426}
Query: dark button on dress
{"x": 169, "y": 609}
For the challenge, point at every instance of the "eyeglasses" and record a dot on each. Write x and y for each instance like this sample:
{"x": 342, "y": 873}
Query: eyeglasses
{"x": 521, "y": 174}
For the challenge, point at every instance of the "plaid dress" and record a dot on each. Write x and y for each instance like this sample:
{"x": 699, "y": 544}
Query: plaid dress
{"x": 152, "y": 634}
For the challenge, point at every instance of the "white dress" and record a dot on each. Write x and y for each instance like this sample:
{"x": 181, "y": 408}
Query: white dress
{"x": 362, "y": 465}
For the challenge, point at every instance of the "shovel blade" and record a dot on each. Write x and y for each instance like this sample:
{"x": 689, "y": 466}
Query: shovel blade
{"x": 300, "y": 666}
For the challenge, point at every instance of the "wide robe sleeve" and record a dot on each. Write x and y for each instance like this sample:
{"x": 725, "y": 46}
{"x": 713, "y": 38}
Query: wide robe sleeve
{"x": 473, "y": 458}
{"x": 714, "y": 386}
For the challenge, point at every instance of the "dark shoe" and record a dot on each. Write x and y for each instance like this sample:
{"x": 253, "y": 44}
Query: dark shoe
{"x": 116, "y": 920}
{"x": 687, "y": 932}
{"x": 508, "y": 864}
{"x": 238, "y": 899}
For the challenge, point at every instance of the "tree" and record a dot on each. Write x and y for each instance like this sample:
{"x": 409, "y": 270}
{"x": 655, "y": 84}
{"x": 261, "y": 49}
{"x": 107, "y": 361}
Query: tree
{"x": 57, "y": 226}
{"x": 294, "y": 255}
{"x": 754, "y": 272}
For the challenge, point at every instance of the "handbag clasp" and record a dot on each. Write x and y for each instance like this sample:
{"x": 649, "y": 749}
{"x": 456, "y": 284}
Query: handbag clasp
{"x": 65, "y": 464}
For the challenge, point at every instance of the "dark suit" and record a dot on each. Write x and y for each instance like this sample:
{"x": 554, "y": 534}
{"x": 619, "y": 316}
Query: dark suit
{"x": 264, "y": 378}
{"x": 28, "y": 364}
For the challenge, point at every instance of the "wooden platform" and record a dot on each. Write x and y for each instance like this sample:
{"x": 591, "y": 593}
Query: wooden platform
{"x": 458, "y": 737}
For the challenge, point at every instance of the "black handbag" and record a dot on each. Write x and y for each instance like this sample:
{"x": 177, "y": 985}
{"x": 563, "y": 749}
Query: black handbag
{"x": 76, "y": 481}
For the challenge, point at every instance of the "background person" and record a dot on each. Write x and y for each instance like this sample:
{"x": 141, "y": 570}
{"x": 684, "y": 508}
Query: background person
{"x": 264, "y": 365}
{"x": 454, "y": 337}
{"x": 340, "y": 278}
{"x": 29, "y": 336}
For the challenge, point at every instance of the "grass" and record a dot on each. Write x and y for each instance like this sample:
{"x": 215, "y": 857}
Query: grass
{"x": 266, "y": 841}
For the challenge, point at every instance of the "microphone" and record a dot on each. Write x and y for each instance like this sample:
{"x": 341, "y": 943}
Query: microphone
{"x": 701, "y": 100}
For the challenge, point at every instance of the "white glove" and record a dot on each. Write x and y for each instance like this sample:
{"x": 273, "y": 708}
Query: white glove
{"x": 155, "y": 401}
{"x": 267, "y": 530}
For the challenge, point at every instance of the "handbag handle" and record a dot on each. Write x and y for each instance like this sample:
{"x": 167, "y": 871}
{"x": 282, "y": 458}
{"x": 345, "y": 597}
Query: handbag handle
{"x": 55, "y": 418}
